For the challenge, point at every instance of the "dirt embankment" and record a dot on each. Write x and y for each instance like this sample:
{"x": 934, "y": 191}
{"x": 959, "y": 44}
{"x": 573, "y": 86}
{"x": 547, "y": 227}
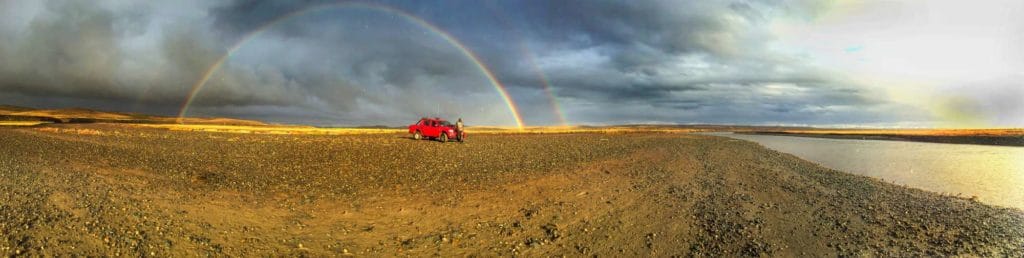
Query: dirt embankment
{"x": 150, "y": 192}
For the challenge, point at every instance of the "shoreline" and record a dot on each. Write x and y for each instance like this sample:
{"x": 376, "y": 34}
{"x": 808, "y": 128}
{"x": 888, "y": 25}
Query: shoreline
{"x": 149, "y": 191}
{"x": 965, "y": 195}
{"x": 992, "y": 140}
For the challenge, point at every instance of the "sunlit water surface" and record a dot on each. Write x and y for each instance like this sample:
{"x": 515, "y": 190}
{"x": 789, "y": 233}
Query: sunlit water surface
{"x": 995, "y": 174}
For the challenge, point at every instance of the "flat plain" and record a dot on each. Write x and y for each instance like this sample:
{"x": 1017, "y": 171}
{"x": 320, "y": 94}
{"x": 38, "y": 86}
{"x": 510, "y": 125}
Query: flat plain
{"x": 136, "y": 190}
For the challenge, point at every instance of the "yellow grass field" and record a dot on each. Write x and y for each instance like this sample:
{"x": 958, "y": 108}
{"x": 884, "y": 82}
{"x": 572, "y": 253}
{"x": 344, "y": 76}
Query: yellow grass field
{"x": 22, "y": 123}
{"x": 271, "y": 129}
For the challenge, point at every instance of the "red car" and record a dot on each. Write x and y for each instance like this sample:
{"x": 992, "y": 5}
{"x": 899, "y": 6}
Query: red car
{"x": 435, "y": 128}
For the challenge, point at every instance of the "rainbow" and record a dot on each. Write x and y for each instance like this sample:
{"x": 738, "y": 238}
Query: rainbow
{"x": 500, "y": 88}
{"x": 544, "y": 82}
{"x": 532, "y": 60}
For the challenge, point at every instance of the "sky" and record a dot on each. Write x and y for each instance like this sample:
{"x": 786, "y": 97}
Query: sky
{"x": 938, "y": 63}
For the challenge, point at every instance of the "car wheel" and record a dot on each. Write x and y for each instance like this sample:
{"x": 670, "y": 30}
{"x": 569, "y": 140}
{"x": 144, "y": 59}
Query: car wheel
{"x": 444, "y": 137}
{"x": 417, "y": 135}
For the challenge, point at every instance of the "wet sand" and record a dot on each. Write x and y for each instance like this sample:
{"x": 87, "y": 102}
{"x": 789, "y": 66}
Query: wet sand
{"x": 126, "y": 190}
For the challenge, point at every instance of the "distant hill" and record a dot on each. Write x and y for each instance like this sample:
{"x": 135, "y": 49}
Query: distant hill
{"x": 8, "y": 108}
{"x": 81, "y": 115}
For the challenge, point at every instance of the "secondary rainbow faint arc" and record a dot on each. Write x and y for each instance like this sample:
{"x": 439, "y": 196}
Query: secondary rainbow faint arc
{"x": 198, "y": 86}
{"x": 544, "y": 82}
{"x": 532, "y": 60}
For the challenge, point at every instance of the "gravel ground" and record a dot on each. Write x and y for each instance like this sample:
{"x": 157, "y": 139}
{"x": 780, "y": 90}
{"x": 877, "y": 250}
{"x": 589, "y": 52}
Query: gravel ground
{"x": 112, "y": 190}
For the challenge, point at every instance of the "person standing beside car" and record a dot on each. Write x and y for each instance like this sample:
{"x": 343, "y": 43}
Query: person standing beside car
{"x": 458, "y": 129}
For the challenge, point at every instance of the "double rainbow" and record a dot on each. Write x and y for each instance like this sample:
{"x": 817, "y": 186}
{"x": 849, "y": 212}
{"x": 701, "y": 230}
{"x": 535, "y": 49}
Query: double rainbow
{"x": 198, "y": 86}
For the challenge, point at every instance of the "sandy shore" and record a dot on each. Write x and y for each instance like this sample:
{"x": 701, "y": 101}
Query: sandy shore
{"x": 123, "y": 190}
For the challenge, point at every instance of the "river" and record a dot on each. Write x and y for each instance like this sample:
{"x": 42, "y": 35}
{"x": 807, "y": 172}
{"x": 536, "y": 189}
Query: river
{"x": 995, "y": 174}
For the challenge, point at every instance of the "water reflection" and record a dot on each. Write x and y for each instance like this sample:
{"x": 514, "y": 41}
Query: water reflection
{"x": 995, "y": 174}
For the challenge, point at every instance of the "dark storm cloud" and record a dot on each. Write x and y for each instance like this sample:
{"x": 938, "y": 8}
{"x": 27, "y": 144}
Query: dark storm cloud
{"x": 664, "y": 26}
{"x": 235, "y": 18}
{"x": 704, "y": 58}
{"x": 83, "y": 51}
{"x": 652, "y": 61}
{"x": 75, "y": 46}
